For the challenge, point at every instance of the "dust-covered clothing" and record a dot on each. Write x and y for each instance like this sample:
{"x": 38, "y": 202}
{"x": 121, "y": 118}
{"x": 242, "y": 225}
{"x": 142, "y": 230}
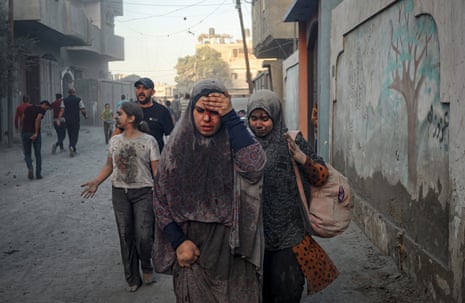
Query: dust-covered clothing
{"x": 284, "y": 223}
{"x": 135, "y": 221}
{"x": 208, "y": 191}
{"x": 132, "y": 197}
{"x": 218, "y": 276}
{"x": 131, "y": 160}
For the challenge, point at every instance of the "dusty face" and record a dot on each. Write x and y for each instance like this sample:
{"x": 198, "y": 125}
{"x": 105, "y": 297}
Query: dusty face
{"x": 260, "y": 123}
{"x": 143, "y": 94}
{"x": 122, "y": 119}
{"x": 207, "y": 122}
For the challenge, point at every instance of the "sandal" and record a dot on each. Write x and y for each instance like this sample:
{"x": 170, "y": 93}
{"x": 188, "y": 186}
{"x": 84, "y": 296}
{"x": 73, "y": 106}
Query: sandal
{"x": 148, "y": 278}
{"x": 132, "y": 288}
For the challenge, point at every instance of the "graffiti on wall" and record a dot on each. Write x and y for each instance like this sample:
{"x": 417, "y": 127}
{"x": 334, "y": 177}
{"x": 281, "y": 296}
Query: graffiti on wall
{"x": 411, "y": 62}
{"x": 438, "y": 124}
{"x": 388, "y": 92}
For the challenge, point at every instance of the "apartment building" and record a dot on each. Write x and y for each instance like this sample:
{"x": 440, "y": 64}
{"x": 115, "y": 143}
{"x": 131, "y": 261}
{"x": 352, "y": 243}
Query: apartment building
{"x": 73, "y": 42}
{"x": 388, "y": 80}
{"x": 232, "y": 52}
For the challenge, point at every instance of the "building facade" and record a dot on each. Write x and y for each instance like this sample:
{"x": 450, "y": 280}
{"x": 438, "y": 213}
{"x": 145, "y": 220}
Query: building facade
{"x": 232, "y": 52}
{"x": 387, "y": 78}
{"x": 73, "y": 41}
{"x": 274, "y": 39}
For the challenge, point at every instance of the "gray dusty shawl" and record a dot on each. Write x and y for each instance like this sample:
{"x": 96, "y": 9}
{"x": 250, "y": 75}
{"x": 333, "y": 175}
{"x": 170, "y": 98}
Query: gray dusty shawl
{"x": 199, "y": 179}
{"x": 284, "y": 226}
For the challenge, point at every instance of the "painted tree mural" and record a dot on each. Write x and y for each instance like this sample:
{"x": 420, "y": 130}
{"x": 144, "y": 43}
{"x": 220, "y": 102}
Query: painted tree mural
{"x": 409, "y": 66}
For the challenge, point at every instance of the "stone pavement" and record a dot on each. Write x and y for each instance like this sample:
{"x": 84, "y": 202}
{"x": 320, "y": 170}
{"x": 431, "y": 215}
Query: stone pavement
{"x": 58, "y": 247}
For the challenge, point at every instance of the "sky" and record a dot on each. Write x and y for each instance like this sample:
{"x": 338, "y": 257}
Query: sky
{"x": 158, "y": 32}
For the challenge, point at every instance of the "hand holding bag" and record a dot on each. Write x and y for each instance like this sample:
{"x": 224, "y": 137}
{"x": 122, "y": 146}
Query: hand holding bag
{"x": 317, "y": 267}
{"x": 330, "y": 210}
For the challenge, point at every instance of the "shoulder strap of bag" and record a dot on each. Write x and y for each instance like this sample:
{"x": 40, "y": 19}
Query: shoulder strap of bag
{"x": 303, "y": 198}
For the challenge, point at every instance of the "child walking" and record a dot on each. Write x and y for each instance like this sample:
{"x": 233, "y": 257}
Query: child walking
{"x": 132, "y": 161}
{"x": 107, "y": 117}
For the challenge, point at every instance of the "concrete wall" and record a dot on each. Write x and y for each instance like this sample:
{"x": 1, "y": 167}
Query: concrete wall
{"x": 324, "y": 74}
{"x": 95, "y": 93}
{"x": 290, "y": 102}
{"x": 396, "y": 121}
{"x": 271, "y": 37}
{"x": 61, "y": 16}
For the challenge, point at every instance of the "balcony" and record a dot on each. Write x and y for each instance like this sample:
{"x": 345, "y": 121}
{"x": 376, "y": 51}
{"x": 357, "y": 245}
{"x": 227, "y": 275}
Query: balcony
{"x": 104, "y": 44}
{"x": 301, "y": 10}
{"x": 272, "y": 38}
{"x": 57, "y": 22}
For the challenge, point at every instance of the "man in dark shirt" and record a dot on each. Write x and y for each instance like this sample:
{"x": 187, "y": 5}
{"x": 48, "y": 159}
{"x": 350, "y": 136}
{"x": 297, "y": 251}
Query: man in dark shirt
{"x": 20, "y": 113}
{"x": 71, "y": 108}
{"x": 31, "y": 136}
{"x": 157, "y": 116}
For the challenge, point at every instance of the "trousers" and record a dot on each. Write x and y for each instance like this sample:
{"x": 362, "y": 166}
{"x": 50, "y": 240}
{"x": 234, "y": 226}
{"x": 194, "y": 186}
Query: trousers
{"x": 27, "y": 148}
{"x": 108, "y": 130}
{"x": 73, "y": 133}
{"x": 61, "y": 133}
{"x": 135, "y": 222}
{"x": 283, "y": 280}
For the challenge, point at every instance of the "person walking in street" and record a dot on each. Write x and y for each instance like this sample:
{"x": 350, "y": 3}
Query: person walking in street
{"x": 60, "y": 128}
{"x": 167, "y": 104}
{"x": 118, "y": 130}
{"x": 132, "y": 161}
{"x": 71, "y": 108}
{"x": 20, "y": 113}
{"x": 184, "y": 101}
{"x": 207, "y": 203}
{"x": 176, "y": 107}
{"x": 121, "y": 101}
{"x": 287, "y": 234}
{"x": 31, "y": 136}
{"x": 156, "y": 115}
{"x": 107, "y": 117}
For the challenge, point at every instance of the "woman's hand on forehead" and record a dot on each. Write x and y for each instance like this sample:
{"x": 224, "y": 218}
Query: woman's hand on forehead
{"x": 217, "y": 102}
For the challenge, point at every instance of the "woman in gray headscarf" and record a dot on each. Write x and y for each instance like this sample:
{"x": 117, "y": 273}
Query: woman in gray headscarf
{"x": 207, "y": 203}
{"x": 290, "y": 251}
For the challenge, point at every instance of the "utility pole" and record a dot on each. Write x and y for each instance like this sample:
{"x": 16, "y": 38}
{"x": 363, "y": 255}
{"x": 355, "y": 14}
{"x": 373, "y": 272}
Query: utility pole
{"x": 10, "y": 57}
{"x": 244, "y": 42}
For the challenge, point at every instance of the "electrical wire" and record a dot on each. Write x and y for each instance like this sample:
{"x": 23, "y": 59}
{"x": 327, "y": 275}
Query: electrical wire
{"x": 188, "y": 30}
{"x": 181, "y": 7}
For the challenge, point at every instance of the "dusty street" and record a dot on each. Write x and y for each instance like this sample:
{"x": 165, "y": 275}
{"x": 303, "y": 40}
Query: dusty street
{"x": 58, "y": 247}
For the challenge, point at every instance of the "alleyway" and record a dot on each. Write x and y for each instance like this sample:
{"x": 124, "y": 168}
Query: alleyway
{"x": 58, "y": 247}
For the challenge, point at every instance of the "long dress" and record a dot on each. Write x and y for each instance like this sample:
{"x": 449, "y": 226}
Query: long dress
{"x": 214, "y": 195}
